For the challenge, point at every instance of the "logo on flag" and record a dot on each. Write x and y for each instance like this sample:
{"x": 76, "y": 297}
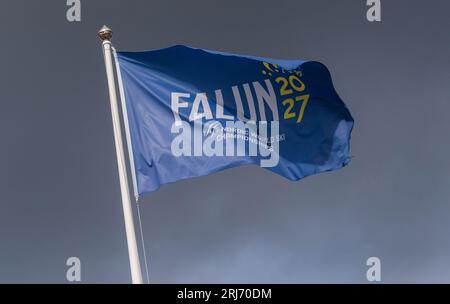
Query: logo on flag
{"x": 192, "y": 112}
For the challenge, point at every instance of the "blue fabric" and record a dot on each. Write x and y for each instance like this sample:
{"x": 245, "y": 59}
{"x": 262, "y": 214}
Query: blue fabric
{"x": 313, "y": 123}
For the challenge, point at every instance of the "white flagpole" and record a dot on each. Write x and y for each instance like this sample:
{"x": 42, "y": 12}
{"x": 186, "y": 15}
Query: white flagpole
{"x": 105, "y": 35}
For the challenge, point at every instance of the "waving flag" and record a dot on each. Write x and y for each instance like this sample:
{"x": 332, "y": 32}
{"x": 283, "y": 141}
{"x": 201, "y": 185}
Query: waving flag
{"x": 191, "y": 112}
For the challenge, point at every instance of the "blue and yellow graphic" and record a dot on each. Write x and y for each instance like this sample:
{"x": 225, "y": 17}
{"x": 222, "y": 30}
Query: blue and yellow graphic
{"x": 193, "y": 112}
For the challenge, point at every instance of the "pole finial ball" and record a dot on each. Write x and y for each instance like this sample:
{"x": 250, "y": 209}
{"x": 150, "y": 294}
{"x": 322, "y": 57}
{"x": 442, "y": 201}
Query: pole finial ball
{"x": 105, "y": 33}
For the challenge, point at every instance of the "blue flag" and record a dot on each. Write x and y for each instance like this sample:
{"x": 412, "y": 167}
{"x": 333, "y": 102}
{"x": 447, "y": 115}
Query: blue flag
{"x": 192, "y": 112}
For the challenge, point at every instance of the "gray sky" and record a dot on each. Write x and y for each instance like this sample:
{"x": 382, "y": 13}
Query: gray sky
{"x": 59, "y": 191}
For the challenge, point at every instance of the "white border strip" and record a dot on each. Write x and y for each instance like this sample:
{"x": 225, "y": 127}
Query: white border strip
{"x": 127, "y": 127}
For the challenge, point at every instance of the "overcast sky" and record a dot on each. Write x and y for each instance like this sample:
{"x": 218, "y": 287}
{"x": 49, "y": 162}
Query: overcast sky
{"x": 59, "y": 188}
